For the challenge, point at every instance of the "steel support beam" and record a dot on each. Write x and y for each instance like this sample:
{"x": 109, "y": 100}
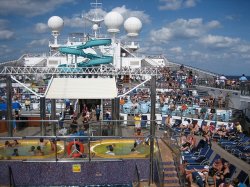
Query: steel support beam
{"x": 113, "y": 116}
{"x": 42, "y": 115}
{"x": 117, "y": 116}
{"x": 152, "y": 127}
{"x": 68, "y": 71}
{"x": 53, "y": 116}
{"x": 9, "y": 105}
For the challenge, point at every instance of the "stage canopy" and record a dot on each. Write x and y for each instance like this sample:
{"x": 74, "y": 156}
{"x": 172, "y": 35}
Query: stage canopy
{"x": 82, "y": 88}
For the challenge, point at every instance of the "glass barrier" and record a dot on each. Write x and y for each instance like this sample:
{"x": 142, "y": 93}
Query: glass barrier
{"x": 60, "y": 148}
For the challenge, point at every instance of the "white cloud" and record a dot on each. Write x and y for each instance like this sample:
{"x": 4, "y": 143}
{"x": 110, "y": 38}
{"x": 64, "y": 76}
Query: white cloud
{"x": 30, "y": 7}
{"x": 3, "y": 23}
{"x": 183, "y": 29}
{"x": 190, "y": 3}
{"x": 195, "y": 53}
{"x": 41, "y": 42}
{"x": 126, "y": 13}
{"x": 232, "y": 17}
{"x": 177, "y": 4}
{"x": 242, "y": 48}
{"x": 6, "y": 34}
{"x": 246, "y": 56}
{"x": 162, "y": 36}
{"x": 76, "y": 22}
{"x": 219, "y": 41}
{"x": 213, "y": 24}
{"x": 176, "y": 49}
{"x": 41, "y": 27}
{"x": 4, "y": 49}
{"x": 151, "y": 50}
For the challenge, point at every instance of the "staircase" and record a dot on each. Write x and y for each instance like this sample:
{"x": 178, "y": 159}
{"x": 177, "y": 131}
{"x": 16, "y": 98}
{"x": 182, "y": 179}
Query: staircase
{"x": 145, "y": 63}
{"x": 170, "y": 175}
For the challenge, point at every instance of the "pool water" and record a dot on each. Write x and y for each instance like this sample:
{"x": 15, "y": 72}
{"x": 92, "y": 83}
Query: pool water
{"x": 122, "y": 148}
{"x": 23, "y": 150}
{"x": 24, "y": 147}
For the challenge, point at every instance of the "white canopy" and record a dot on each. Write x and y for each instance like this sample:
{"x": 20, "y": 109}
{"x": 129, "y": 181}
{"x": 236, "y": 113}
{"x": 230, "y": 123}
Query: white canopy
{"x": 82, "y": 88}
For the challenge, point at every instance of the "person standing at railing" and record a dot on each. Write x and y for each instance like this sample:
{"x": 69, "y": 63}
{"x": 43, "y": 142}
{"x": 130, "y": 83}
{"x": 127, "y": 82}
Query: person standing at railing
{"x": 137, "y": 121}
{"x": 27, "y": 104}
{"x": 220, "y": 99}
{"x": 243, "y": 81}
{"x": 97, "y": 112}
{"x": 222, "y": 81}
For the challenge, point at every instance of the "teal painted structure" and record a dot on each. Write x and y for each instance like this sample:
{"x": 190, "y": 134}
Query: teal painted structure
{"x": 94, "y": 60}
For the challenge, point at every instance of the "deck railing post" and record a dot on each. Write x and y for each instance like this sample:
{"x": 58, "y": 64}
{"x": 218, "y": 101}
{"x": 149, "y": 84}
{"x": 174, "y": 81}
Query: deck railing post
{"x": 152, "y": 127}
{"x": 9, "y": 105}
{"x": 42, "y": 115}
{"x": 53, "y": 116}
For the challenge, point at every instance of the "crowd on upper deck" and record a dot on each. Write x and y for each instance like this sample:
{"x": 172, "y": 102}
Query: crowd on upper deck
{"x": 199, "y": 166}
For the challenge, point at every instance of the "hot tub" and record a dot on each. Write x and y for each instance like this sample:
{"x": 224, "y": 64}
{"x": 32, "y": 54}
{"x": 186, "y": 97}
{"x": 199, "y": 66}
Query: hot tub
{"x": 24, "y": 147}
{"x": 122, "y": 149}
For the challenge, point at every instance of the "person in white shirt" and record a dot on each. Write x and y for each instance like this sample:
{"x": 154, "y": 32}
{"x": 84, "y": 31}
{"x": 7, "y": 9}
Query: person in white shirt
{"x": 243, "y": 81}
{"x": 222, "y": 81}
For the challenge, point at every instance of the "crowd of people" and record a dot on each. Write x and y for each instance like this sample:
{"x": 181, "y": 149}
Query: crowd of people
{"x": 194, "y": 138}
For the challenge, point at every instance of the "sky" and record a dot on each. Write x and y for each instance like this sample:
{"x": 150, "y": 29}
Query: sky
{"x": 208, "y": 34}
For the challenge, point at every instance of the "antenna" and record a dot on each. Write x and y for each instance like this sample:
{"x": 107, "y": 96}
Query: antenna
{"x": 94, "y": 16}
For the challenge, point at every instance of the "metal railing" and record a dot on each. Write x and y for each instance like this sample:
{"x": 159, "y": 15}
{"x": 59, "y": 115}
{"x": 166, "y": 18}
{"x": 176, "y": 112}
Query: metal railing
{"x": 243, "y": 88}
{"x": 172, "y": 139}
{"x": 159, "y": 164}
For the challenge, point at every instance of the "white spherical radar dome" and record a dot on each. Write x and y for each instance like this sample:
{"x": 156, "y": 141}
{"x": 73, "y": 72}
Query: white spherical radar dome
{"x": 95, "y": 27}
{"x": 55, "y": 23}
{"x": 133, "y": 26}
{"x": 113, "y": 20}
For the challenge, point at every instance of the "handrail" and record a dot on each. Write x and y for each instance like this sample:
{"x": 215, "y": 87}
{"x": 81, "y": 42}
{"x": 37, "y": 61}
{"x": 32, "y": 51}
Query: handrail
{"x": 137, "y": 176}
{"x": 160, "y": 165}
{"x": 11, "y": 61}
{"x": 172, "y": 143}
{"x": 194, "y": 68}
{"x": 243, "y": 91}
{"x": 11, "y": 177}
